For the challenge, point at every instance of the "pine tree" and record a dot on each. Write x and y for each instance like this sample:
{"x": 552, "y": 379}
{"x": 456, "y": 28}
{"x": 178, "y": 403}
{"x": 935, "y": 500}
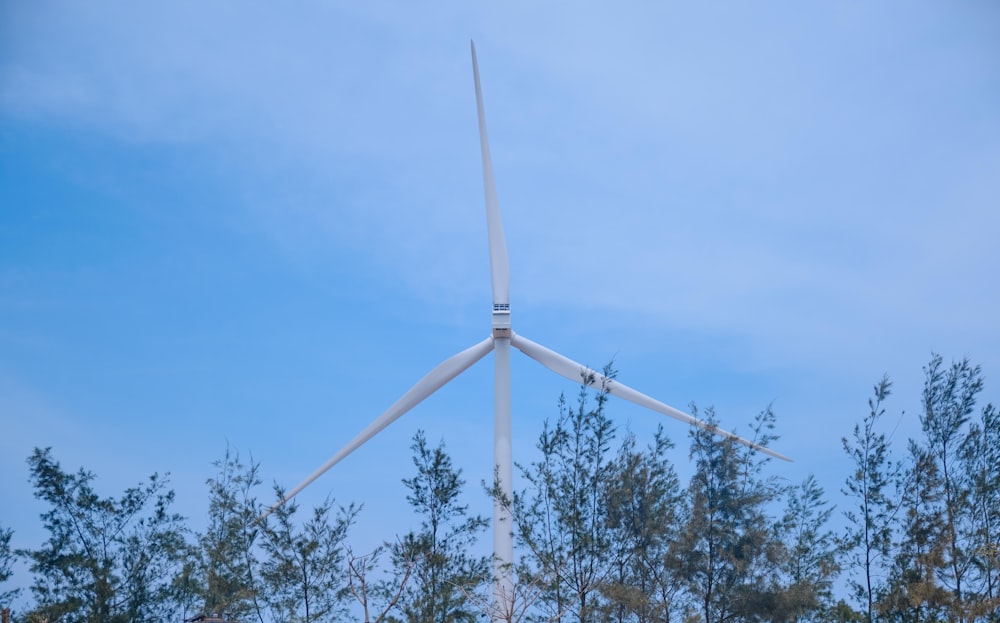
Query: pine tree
{"x": 227, "y": 571}
{"x": 7, "y": 558}
{"x": 644, "y": 519}
{"x": 981, "y": 466}
{"x": 731, "y": 551}
{"x": 872, "y": 487}
{"x": 303, "y": 571}
{"x": 914, "y": 594}
{"x": 107, "y": 559}
{"x": 810, "y": 560}
{"x": 538, "y": 524}
{"x": 563, "y": 519}
{"x": 949, "y": 401}
{"x": 438, "y": 558}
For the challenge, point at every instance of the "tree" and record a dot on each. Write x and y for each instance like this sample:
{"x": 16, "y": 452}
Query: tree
{"x": 913, "y": 593}
{"x": 564, "y": 520}
{"x": 731, "y": 553}
{"x": 439, "y": 553}
{"x": 107, "y": 560}
{"x": 537, "y": 522}
{"x": 376, "y": 597}
{"x": 644, "y": 518}
{"x": 7, "y": 558}
{"x": 304, "y": 569}
{"x": 949, "y": 400}
{"x": 981, "y": 466}
{"x": 810, "y": 561}
{"x": 872, "y": 486}
{"x": 946, "y": 517}
{"x": 226, "y": 574}
{"x": 518, "y": 600}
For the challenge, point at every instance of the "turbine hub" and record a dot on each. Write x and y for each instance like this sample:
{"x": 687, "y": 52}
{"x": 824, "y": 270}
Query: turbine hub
{"x": 501, "y": 320}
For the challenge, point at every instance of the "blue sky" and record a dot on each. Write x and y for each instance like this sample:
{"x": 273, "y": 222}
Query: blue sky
{"x": 236, "y": 223}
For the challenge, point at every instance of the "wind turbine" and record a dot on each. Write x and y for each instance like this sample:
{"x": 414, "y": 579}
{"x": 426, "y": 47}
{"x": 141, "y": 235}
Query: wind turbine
{"x": 501, "y": 338}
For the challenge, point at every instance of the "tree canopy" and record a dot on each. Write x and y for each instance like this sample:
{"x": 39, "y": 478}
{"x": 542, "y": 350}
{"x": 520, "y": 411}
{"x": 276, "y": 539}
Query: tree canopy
{"x": 605, "y": 528}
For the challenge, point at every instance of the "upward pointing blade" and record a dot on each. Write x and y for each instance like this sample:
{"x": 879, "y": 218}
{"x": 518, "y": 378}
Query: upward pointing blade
{"x": 578, "y": 372}
{"x": 499, "y": 266}
{"x": 435, "y": 379}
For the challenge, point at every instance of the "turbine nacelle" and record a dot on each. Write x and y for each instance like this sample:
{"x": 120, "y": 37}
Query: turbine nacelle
{"x": 501, "y": 320}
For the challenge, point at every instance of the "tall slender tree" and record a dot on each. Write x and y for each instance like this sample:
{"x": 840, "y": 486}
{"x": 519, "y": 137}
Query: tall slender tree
{"x": 537, "y": 522}
{"x": 228, "y": 569}
{"x": 949, "y": 401}
{"x": 303, "y": 570}
{"x": 810, "y": 562}
{"x": 981, "y": 467}
{"x": 563, "y": 519}
{"x": 644, "y": 519}
{"x": 376, "y": 596}
{"x": 731, "y": 553}
{"x": 872, "y": 488}
{"x": 7, "y": 559}
{"x": 913, "y": 593}
{"x": 439, "y": 558}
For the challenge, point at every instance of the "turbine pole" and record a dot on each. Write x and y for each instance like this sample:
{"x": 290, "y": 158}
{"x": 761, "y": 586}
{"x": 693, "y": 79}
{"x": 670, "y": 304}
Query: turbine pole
{"x": 503, "y": 525}
{"x": 503, "y": 528}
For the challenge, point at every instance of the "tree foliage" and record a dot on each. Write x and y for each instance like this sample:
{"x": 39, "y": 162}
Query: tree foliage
{"x": 227, "y": 570}
{"x": 106, "y": 560}
{"x": 812, "y": 560}
{"x": 644, "y": 513}
{"x": 946, "y": 568}
{"x": 872, "y": 488}
{"x": 303, "y": 570}
{"x": 732, "y": 555}
{"x": 376, "y": 597}
{"x": 607, "y": 532}
{"x": 980, "y": 460}
{"x": 619, "y": 540}
{"x": 564, "y": 519}
{"x": 7, "y": 558}
{"x": 438, "y": 559}
{"x": 925, "y": 530}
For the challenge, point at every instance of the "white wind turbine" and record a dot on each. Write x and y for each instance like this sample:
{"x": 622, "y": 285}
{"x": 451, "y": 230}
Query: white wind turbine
{"x": 500, "y": 341}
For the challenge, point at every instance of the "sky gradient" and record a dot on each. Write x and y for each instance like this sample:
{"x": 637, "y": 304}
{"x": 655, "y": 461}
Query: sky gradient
{"x": 229, "y": 223}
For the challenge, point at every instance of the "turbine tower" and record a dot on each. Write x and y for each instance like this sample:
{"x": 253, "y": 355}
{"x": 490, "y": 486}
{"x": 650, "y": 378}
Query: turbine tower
{"x": 501, "y": 338}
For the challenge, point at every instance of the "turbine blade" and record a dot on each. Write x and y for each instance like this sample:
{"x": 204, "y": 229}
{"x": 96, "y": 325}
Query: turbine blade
{"x": 580, "y": 373}
{"x": 444, "y": 372}
{"x": 499, "y": 266}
